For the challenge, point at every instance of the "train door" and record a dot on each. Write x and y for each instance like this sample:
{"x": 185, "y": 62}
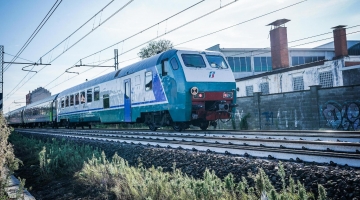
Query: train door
{"x": 127, "y": 100}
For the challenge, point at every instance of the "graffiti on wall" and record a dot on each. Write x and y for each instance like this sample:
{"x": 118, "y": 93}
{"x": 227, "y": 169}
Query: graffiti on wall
{"x": 342, "y": 117}
{"x": 269, "y": 117}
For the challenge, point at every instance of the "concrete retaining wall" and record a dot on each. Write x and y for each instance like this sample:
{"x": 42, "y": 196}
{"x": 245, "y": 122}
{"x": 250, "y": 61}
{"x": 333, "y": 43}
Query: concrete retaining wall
{"x": 318, "y": 108}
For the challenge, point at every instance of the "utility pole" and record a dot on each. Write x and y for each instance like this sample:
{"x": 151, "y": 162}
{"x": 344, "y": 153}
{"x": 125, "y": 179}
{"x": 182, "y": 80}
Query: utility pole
{"x": 1, "y": 77}
{"x": 2, "y": 72}
{"x": 116, "y": 59}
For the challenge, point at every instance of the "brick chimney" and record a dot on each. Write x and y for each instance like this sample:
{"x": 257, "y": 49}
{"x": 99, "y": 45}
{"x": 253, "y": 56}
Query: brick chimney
{"x": 279, "y": 44}
{"x": 340, "y": 42}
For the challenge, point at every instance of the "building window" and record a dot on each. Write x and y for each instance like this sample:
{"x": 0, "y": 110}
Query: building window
{"x": 262, "y": 64}
{"x": 326, "y": 79}
{"x": 240, "y": 64}
{"x": 298, "y": 83}
{"x": 249, "y": 90}
{"x": 264, "y": 88}
{"x": 300, "y": 60}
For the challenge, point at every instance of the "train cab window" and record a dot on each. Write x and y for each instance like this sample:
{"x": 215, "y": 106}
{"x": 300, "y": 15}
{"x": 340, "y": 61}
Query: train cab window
{"x": 174, "y": 64}
{"x": 62, "y": 102}
{"x": 89, "y": 95}
{"x": 164, "y": 67}
{"x": 106, "y": 101}
{"x": 67, "y": 101}
{"x": 71, "y": 100}
{"x": 217, "y": 61}
{"x": 82, "y": 97}
{"x": 96, "y": 93}
{"x": 193, "y": 60}
{"x": 148, "y": 81}
{"x": 77, "y": 99}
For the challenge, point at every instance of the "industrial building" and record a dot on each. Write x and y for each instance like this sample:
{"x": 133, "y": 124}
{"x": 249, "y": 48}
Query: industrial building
{"x": 281, "y": 69}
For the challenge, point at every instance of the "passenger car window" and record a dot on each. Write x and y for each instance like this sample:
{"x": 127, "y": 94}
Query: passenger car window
{"x": 67, "y": 101}
{"x": 89, "y": 95}
{"x": 82, "y": 97}
{"x": 71, "y": 100}
{"x": 77, "y": 99}
{"x": 148, "y": 81}
{"x": 62, "y": 102}
{"x": 106, "y": 101}
{"x": 96, "y": 93}
{"x": 174, "y": 64}
{"x": 193, "y": 60}
{"x": 216, "y": 61}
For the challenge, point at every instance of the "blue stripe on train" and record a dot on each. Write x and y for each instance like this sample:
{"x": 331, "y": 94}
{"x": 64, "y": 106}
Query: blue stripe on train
{"x": 117, "y": 106}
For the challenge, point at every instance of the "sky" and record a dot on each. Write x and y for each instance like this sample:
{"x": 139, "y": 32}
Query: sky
{"x": 20, "y": 18}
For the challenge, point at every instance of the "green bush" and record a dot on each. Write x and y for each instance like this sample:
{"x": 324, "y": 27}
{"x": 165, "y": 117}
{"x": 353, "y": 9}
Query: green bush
{"x": 115, "y": 177}
{"x": 55, "y": 157}
{"x": 7, "y": 157}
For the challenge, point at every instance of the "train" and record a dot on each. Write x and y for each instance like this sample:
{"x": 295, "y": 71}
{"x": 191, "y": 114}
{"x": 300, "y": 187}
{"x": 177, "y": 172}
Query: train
{"x": 177, "y": 88}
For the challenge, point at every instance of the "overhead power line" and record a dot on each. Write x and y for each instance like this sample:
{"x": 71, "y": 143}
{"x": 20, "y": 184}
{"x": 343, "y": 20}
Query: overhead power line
{"x": 42, "y": 23}
{"x": 131, "y": 37}
{"x": 187, "y": 24}
{"x": 249, "y": 20}
{"x": 19, "y": 57}
{"x": 13, "y": 90}
{"x": 231, "y": 55}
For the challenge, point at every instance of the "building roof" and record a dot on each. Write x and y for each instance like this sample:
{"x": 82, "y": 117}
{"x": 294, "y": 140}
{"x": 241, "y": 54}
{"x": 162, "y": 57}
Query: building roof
{"x": 350, "y": 43}
{"x": 317, "y": 63}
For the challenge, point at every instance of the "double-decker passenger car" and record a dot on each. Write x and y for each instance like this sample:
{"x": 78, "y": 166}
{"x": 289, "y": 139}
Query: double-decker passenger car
{"x": 40, "y": 113}
{"x": 175, "y": 88}
{"x": 15, "y": 117}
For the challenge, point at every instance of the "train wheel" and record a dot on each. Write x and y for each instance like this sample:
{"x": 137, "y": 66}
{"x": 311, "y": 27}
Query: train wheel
{"x": 177, "y": 127}
{"x": 89, "y": 126}
{"x": 152, "y": 127}
{"x": 204, "y": 125}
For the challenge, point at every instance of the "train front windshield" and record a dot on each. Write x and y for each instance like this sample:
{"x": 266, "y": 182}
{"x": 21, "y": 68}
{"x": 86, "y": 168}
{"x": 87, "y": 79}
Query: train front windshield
{"x": 216, "y": 61}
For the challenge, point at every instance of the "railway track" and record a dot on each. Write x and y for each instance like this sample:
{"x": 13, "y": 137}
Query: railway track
{"x": 308, "y": 146}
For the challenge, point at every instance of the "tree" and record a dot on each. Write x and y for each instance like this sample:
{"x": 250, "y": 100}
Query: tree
{"x": 155, "y": 47}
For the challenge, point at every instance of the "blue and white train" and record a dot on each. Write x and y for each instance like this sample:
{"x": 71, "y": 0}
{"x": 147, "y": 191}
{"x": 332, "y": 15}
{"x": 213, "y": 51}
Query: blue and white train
{"x": 175, "y": 88}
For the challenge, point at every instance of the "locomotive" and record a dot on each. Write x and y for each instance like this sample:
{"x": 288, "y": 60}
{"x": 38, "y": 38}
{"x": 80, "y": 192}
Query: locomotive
{"x": 176, "y": 88}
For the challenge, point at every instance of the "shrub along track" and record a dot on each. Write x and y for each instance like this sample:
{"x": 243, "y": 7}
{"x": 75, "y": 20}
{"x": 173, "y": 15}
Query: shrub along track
{"x": 340, "y": 182}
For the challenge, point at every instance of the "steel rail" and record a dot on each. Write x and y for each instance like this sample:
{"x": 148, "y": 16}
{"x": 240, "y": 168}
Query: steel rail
{"x": 307, "y": 155}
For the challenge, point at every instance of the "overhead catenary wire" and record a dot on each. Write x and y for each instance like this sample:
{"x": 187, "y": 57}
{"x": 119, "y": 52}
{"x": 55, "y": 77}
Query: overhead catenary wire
{"x": 253, "y": 55}
{"x": 12, "y": 91}
{"x": 186, "y": 24}
{"x": 122, "y": 41}
{"x": 19, "y": 57}
{"x": 42, "y": 23}
{"x": 131, "y": 36}
{"x": 274, "y": 11}
{"x": 264, "y": 48}
{"x": 158, "y": 36}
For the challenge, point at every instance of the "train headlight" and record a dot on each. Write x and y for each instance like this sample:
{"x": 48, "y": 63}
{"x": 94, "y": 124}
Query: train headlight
{"x": 199, "y": 95}
{"x": 227, "y": 95}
